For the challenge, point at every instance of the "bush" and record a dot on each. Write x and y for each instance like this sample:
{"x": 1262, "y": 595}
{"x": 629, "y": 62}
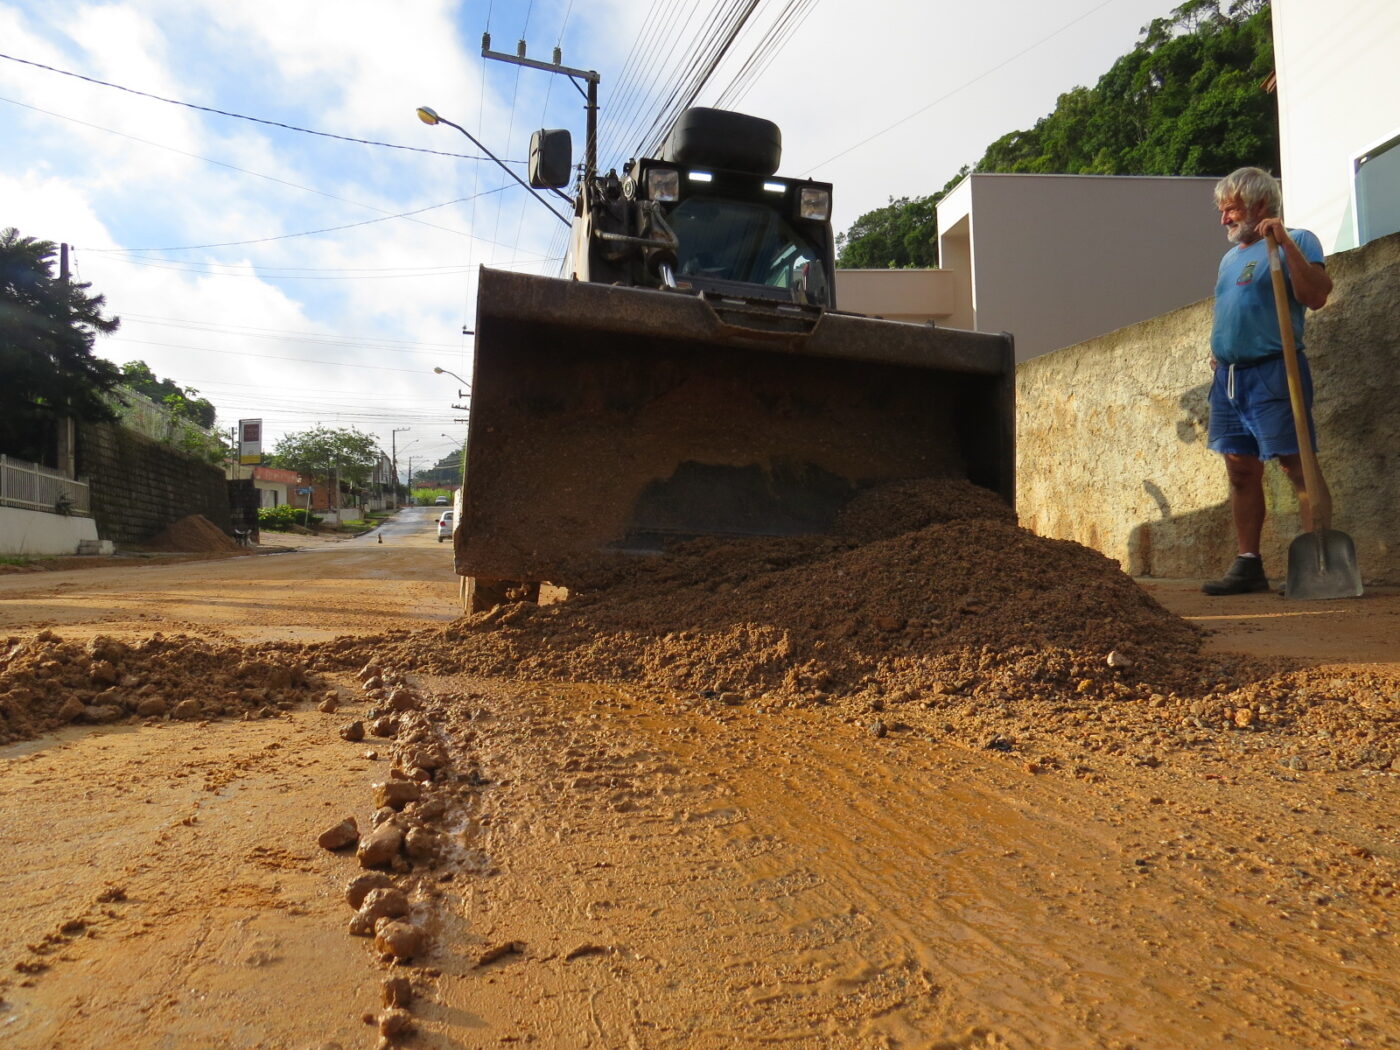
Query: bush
{"x": 281, "y": 519}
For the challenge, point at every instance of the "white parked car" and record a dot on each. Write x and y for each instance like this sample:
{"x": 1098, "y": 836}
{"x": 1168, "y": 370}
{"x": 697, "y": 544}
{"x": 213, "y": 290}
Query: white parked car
{"x": 444, "y": 524}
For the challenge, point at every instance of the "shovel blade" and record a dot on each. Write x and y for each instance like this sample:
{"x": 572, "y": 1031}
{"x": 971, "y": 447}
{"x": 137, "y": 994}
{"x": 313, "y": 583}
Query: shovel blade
{"x": 1322, "y": 564}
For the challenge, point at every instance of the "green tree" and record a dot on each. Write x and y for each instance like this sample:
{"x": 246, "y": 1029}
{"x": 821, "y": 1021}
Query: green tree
{"x": 1185, "y": 101}
{"x": 324, "y": 451}
{"x": 184, "y": 402}
{"x": 47, "y": 330}
{"x": 902, "y": 234}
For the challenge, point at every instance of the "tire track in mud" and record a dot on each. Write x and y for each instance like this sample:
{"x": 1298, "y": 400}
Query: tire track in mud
{"x": 902, "y": 893}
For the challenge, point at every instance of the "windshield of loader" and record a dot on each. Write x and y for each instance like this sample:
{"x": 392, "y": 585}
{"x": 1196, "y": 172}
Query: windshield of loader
{"x": 735, "y": 241}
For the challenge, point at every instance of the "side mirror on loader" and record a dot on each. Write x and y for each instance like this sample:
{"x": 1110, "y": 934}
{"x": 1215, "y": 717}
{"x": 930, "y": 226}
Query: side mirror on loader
{"x": 551, "y": 158}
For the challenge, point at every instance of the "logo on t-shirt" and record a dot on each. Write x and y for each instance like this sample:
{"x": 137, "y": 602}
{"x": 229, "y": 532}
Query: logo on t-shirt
{"x": 1247, "y": 274}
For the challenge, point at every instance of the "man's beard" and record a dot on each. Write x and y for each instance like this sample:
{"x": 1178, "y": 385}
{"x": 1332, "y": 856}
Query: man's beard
{"x": 1243, "y": 232}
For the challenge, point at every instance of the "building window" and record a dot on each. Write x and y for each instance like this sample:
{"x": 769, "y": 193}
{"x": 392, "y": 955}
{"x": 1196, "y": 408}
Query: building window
{"x": 1378, "y": 191}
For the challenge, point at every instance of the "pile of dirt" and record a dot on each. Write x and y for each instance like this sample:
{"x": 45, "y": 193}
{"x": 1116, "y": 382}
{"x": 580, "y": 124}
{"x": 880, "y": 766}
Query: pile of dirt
{"x": 46, "y": 682}
{"x": 930, "y": 611}
{"x": 193, "y": 534}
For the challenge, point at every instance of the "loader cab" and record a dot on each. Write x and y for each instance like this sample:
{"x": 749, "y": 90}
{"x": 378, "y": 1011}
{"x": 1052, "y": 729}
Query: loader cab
{"x": 741, "y": 229}
{"x": 743, "y": 233}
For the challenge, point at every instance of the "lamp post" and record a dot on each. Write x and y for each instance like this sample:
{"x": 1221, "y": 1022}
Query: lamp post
{"x": 429, "y": 116}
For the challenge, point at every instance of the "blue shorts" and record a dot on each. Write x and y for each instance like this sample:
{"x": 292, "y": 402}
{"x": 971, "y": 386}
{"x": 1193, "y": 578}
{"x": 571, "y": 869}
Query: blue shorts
{"x": 1250, "y": 413}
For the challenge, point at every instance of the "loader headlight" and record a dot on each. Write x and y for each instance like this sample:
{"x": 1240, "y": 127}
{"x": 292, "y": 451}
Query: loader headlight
{"x": 815, "y": 204}
{"x": 663, "y": 184}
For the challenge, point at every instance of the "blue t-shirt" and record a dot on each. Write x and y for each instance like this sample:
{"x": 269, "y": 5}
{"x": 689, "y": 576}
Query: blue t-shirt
{"x": 1246, "y": 320}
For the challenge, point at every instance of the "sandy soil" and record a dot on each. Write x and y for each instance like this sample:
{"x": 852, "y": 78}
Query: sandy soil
{"x": 631, "y": 861}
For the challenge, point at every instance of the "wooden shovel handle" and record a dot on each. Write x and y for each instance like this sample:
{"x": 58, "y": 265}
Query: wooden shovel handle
{"x": 1316, "y": 495}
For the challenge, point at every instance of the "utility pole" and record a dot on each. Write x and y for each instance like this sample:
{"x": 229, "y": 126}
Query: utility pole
{"x": 588, "y": 76}
{"x": 394, "y": 459}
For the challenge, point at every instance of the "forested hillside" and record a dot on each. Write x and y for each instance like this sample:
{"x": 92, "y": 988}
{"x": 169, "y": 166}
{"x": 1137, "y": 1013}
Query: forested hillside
{"x": 1187, "y": 100}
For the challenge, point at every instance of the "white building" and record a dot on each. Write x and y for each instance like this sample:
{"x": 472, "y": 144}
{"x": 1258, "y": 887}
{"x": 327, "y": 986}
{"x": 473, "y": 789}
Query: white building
{"x": 1054, "y": 259}
{"x": 1339, "y": 117}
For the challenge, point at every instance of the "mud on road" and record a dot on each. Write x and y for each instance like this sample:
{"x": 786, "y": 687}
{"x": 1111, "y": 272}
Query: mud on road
{"x": 850, "y": 793}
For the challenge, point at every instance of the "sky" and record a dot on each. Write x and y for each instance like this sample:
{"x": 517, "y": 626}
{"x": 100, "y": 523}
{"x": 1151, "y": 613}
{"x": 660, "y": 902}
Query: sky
{"x": 291, "y": 275}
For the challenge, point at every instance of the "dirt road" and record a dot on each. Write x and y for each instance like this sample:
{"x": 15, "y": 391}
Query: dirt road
{"x": 605, "y": 865}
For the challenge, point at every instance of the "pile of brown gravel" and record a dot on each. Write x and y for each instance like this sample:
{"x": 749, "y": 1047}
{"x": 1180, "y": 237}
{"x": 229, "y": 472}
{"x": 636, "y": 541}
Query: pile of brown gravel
{"x": 930, "y": 611}
{"x": 46, "y": 682}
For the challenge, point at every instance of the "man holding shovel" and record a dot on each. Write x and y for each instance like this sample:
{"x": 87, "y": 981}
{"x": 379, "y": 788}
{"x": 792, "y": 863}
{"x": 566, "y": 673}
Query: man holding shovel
{"x": 1251, "y": 419}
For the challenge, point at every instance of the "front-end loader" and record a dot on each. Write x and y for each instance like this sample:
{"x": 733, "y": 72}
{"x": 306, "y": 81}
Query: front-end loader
{"x": 693, "y": 377}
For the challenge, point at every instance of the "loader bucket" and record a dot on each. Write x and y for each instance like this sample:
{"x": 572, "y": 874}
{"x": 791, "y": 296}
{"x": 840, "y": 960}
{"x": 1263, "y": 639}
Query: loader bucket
{"x": 608, "y": 419}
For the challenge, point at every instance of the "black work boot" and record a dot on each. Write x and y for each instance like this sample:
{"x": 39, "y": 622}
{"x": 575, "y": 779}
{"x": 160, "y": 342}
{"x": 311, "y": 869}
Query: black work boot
{"x": 1246, "y": 576}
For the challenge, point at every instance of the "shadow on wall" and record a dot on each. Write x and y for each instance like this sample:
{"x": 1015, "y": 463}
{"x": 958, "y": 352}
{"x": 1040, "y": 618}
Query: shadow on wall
{"x": 1180, "y": 541}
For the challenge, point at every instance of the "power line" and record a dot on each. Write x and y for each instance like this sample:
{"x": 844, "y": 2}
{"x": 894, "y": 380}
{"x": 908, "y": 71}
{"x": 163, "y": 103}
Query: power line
{"x": 222, "y": 164}
{"x": 288, "y": 236}
{"x": 243, "y": 116}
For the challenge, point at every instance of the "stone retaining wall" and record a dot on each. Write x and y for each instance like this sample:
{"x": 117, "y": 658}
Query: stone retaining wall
{"x": 1111, "y": 434}
{"x": 140, "y": 486}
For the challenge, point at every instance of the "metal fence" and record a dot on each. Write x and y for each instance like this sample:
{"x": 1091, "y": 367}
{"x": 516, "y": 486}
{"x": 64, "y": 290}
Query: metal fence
{"x": 28, "y": 485}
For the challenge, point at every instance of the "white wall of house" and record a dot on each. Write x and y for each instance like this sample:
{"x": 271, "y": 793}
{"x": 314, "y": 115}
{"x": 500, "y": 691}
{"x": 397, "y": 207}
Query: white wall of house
{"x": 35, "y": 533}
{"x": 1057, "y": 259}
{"x": 1339, "y": 102}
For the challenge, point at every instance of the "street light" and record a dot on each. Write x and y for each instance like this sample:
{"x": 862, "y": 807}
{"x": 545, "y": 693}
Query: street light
{"x": 429, "y": 116}
{"x": 454, "y": 375}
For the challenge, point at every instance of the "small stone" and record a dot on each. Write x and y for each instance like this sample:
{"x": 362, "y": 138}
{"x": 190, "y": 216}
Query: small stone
{"x": 187, "y": 710}
{"x": 384, "y": 903}
{"x": 338, "y": 836}
{"x": 421, "y": 845}
{"x": 374, "y": 682}
{"x": 404, "y": 700}
{"x": 382, "y": 814}
{"x": 353, "y": 731}
{"x": 100, "y": 714}
{"x": 380, "y": 846}
{"x": 103, "y": 672}
{"x": 1118, "y": 661}
{"x": 878, "y": 729}
{"x": 330, "y": 705}
{"x": 358, "y": 888}
{"x": 731, "y": 699}
{"x": 72, "y": 708}
{"x": 368, "y": 671}
{"x": 385, "y": 727}
{"x": 1244, "y": 717}
{"x": 396, "y": 991}
{"x": 395, "y": 1024}
{"x": 397, "y": 940}
{"x": 396, "y": 793}
{"x": 151, "y": 707}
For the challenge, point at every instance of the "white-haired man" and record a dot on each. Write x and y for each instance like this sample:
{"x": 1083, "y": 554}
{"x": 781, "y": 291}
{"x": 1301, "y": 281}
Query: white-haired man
{"x": 1251, "y": 418}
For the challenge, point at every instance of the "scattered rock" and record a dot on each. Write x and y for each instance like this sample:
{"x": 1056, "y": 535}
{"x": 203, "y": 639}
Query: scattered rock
{"x": 380, "y": 846}
{"x": 397, "y": 940}
{"x": 151, "y": 707}
{"x": 877, "y": 729}
{"x": 338, "y": 836}
{"x": 395, "y": 1024}
{"x": 1118, "y": 661}
{"x": 100, "y": 714}
{"x": 384, "y": 903}
{"x": 396, "y": 991}
{"x": 353, "y": 731}
{"x": 358, "y": 888}
{"x": 330, "y": 705}
{"x": 385, "y": 727}
{"x": 396, "y": 793}
{"x": 188, "y": 710}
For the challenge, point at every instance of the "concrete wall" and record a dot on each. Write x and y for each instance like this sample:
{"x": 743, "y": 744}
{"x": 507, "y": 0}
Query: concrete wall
{"x": 1111, "y": 435}
{"x": 1339, "y": 96}
{"x": 899, "y": 295}
{"x": 1057, "y": 259}
{"x": 140, "y": 486}
{"x": 30, "y": 533}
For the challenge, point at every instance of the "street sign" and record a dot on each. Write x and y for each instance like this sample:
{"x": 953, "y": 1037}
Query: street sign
{"x": 303, "y": 492}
